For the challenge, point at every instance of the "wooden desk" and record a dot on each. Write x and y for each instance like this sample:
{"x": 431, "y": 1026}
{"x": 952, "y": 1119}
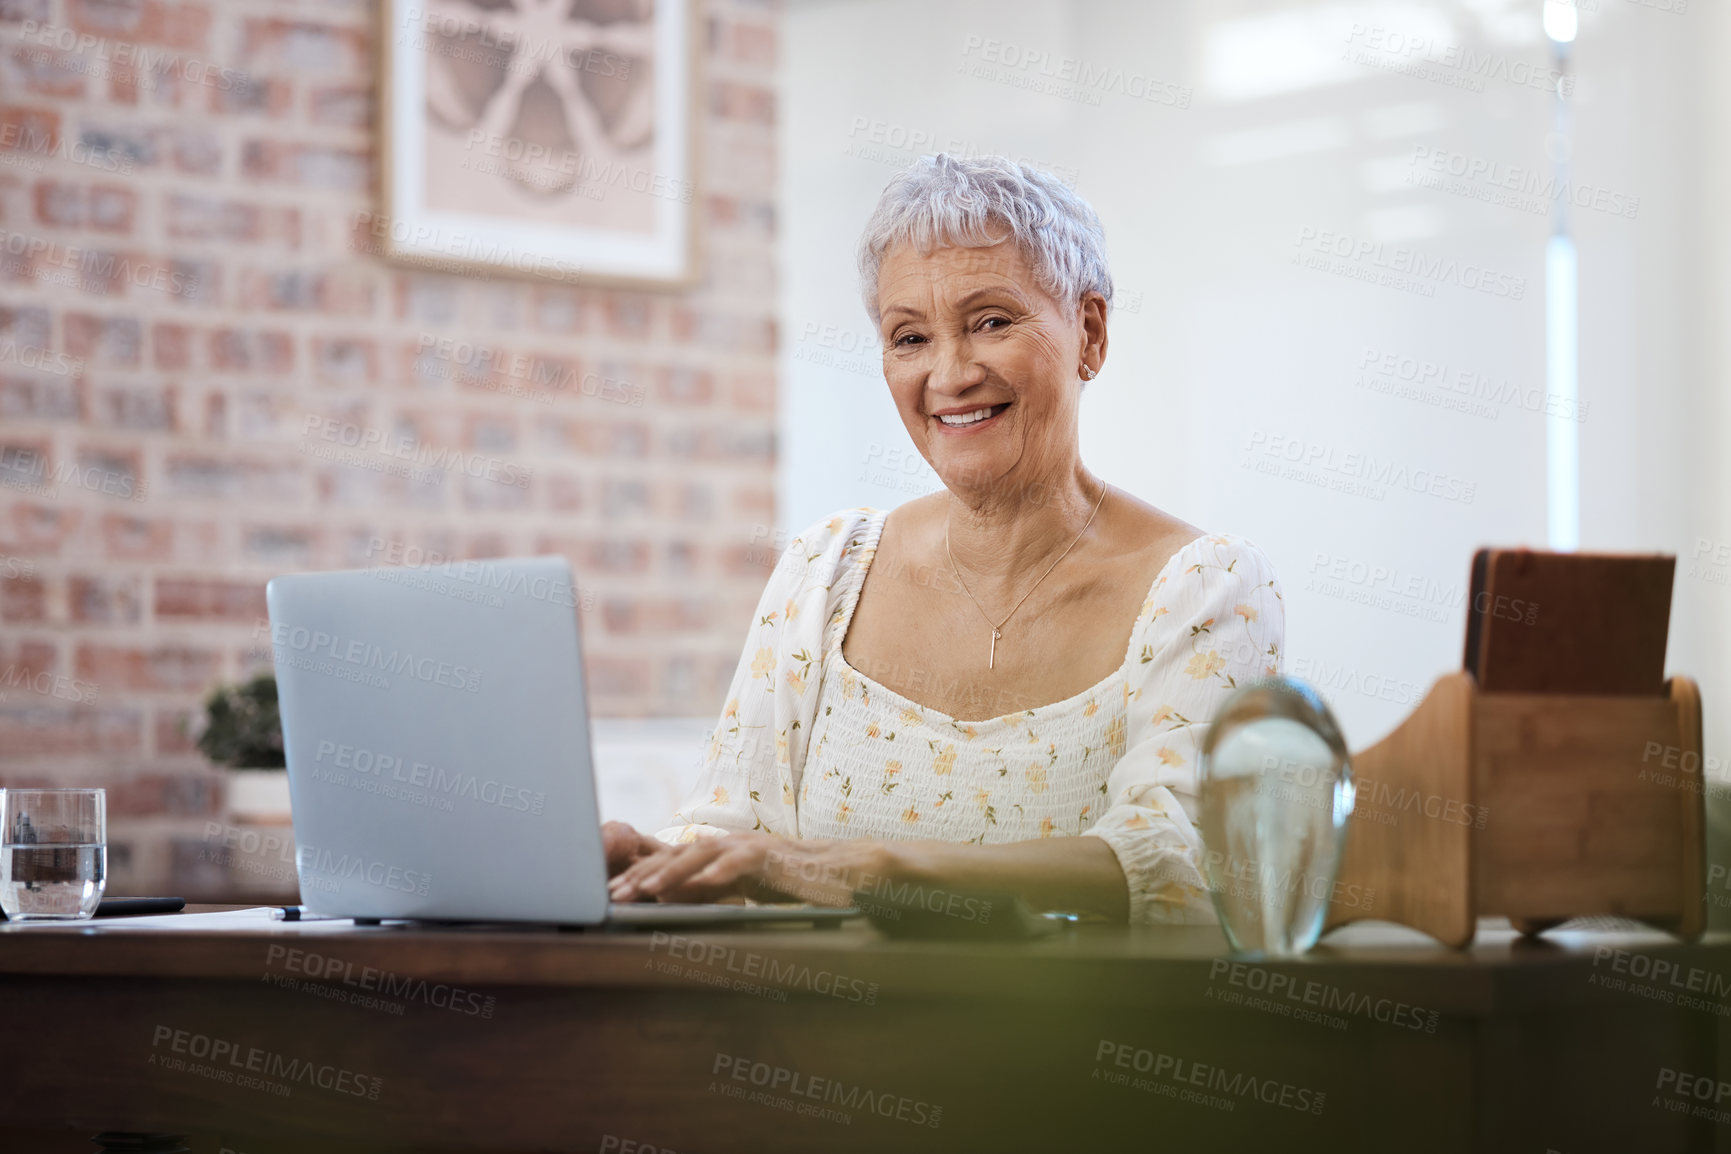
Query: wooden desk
{"x": 261, "y": 1036}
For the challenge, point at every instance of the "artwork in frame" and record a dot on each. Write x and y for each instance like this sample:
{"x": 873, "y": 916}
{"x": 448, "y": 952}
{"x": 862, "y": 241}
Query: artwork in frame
{"x": 542, "y": 138}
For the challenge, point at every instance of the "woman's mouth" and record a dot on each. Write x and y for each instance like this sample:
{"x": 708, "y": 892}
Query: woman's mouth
{"x": 971, "y": 418}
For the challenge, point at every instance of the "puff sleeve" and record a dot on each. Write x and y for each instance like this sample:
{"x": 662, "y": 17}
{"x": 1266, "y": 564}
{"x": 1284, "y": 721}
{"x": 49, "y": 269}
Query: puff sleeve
{"x": 1216, "y": 622}
{"x": 750, "y": 771}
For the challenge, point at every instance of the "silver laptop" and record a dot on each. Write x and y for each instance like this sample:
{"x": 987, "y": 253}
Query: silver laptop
{"x": 438, "y": 749}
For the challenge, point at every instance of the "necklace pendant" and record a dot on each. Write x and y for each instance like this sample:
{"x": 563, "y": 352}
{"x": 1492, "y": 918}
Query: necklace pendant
{"x": 992, "y": 658}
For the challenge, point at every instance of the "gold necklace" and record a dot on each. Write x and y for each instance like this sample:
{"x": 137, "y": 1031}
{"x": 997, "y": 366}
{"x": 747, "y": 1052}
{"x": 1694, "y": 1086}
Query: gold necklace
{"x": 997, "y": 627}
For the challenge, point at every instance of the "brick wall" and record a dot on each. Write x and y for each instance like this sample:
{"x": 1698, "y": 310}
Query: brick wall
{"x": 156, "y": 464}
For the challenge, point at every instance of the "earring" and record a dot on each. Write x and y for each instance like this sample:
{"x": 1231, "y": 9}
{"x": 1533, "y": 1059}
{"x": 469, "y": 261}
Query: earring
{"x": 1088, "y": 374}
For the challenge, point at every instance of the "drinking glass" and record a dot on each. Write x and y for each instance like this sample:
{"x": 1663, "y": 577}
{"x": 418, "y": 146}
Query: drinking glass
{"x": 53, "y": 852}
{"x": 1276, "y": 791}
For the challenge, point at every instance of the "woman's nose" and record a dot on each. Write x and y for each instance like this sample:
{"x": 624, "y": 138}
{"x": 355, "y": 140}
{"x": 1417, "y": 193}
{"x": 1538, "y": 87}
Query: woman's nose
{"x": 954, "y": 369}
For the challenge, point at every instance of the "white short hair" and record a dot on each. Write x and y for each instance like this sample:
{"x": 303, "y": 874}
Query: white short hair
{"x": 979, "y": 201}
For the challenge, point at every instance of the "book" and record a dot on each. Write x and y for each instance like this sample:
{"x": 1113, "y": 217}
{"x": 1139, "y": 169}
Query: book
{"x": 1575, "y": 623}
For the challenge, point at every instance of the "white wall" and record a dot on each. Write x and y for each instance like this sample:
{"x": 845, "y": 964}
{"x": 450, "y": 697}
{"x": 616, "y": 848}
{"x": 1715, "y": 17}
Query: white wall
{"x": 1219, "y": 337}
{"x": 1704, "y": 593}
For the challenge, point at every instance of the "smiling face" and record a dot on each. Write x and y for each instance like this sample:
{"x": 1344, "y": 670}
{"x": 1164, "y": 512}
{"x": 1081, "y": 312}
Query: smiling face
{"x": 983, "y": 364}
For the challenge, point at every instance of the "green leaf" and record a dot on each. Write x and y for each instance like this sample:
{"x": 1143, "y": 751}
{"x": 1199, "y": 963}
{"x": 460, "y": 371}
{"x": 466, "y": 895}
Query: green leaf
{"x": 243, "y": 725}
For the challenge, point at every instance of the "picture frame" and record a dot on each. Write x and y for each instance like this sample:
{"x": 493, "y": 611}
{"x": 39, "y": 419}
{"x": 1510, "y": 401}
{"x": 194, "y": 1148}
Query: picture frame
{"x": 546, "y": 139}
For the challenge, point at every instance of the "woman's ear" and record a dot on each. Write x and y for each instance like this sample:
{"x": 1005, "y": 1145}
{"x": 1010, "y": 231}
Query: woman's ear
{"x": 1093, "y": 351}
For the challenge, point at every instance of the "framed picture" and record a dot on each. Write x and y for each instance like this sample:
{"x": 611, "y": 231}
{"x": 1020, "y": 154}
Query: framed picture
{"x": 541, "y": 138}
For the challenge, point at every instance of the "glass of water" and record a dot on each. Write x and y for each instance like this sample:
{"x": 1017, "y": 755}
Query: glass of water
{"x": 1276, "y": 792}
{"x": 53, "y": 852}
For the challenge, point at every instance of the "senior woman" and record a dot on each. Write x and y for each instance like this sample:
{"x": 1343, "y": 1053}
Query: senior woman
{"x": 1000, "y": 687}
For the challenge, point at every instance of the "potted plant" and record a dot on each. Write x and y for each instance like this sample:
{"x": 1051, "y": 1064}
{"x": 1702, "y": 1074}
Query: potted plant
{"x": 242, "y": 729}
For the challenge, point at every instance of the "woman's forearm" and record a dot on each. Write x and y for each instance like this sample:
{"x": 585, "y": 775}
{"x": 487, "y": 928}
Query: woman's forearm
{"x": 1079, "y": 874}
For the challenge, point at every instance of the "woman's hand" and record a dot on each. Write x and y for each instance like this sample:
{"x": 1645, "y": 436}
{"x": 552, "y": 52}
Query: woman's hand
{"x": 755, "y": 865}
{"x": 625, "y": 846}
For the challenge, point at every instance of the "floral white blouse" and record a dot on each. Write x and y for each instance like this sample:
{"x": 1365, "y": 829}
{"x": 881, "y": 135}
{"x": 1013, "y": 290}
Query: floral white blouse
{"x": 809, "y": 747}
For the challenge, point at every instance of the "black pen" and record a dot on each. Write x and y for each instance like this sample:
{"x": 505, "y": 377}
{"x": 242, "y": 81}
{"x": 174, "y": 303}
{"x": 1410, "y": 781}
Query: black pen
{"x": 299, "y": 914}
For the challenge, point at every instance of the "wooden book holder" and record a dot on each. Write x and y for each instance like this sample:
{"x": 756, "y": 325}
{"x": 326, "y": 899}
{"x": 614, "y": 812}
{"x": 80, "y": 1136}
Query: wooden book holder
{"x": 1563, "y": 780}
{"x": 1539, "y": 807}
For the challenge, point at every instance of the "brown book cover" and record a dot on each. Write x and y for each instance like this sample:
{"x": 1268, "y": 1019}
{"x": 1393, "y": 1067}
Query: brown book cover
{"x": 1581, "y": 623}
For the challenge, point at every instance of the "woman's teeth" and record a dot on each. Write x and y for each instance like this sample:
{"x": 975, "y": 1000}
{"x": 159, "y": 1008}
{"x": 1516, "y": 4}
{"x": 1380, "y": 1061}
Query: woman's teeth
{"x": 955, "y": 419}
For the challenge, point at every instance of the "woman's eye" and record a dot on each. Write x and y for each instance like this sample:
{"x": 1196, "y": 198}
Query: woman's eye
{"x": 908, "y": 339}
{"x": 994, "y": 322}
